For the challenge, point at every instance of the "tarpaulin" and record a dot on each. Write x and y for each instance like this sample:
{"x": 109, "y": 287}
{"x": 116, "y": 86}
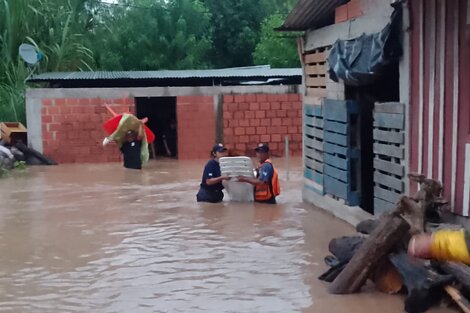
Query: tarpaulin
{"x": 359, "y": 61}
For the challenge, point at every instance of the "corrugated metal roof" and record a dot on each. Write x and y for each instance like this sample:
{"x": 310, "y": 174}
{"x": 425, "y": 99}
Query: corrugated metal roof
{"x": 309, "y": 14}
{"x": 255, "y": 71}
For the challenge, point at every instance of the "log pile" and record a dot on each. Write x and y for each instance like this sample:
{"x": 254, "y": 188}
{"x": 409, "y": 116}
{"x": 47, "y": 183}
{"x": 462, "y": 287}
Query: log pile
{"x": 378, "y": 253}
{"x": 18, "y": 155}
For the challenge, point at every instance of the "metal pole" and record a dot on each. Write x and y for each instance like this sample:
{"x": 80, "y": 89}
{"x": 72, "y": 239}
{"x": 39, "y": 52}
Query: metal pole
{"x": 286, "y": 138}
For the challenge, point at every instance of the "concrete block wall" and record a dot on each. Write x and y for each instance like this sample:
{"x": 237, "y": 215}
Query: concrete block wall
{"x": 196, "y": 127}
{"x": 72, "y": 129}
{"x": 254, "y": 118}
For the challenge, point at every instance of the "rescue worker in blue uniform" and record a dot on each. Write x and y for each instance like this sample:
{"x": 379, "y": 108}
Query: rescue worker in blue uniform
{"x": 211, "y": 184}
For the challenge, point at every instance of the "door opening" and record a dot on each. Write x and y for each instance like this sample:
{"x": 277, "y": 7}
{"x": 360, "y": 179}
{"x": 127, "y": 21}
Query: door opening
{"x": 161, "y": 112}
{"x": 385, "y": 89}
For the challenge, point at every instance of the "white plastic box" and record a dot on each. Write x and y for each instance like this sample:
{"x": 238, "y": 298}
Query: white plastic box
{"x": 234, "y": 167}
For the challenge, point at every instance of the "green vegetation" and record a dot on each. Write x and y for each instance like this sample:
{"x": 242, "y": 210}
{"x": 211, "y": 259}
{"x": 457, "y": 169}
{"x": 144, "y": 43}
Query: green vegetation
{"x": 75, "y": 35}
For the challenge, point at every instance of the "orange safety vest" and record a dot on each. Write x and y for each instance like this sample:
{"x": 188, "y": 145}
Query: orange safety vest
{"x": 271, "y": 190}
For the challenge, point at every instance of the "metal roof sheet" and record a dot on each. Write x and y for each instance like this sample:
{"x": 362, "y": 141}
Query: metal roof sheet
{"x": 245, "y": 72}
{"x": 309, "y": 14}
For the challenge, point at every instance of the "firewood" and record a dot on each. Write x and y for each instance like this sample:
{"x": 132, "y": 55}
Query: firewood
{"x": 387, "y": 279}
{"x": 423, "y": 285}
{"x": 375, "y": 247}
{"x": 460, "y": 271}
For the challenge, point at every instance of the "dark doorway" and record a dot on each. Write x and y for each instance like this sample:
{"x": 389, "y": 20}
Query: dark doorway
{"x": 386, "y": 88}
{"x": 161, "y": 112}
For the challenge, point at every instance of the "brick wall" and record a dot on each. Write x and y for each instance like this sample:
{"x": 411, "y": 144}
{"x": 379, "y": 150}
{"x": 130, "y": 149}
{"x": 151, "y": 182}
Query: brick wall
{"x": 72, "y": 129}
{"x": 196, "y": 126}
{"x": 255, "y": 118}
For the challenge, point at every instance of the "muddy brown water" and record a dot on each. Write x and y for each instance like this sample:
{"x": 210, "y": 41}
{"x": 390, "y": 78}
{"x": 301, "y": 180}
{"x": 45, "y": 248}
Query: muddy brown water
{"x": 99, "y": 238}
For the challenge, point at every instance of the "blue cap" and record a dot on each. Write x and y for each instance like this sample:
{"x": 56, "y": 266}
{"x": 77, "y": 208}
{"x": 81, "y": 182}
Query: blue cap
{"x": 262, "y": 147}
{"x": 219, "y": 148}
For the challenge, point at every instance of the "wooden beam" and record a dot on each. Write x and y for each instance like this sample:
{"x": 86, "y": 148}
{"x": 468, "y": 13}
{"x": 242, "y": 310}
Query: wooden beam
{"x": 319, "y": 69}
{"x": 388, "y": 181}
{"x": 315, "y": 81}
{"x": 389, "y": 136}
{"x": 316, "y": 92}
{"x": 389, "y": 107}
{"x": 317, "y": 57}
{"x": 389, "y": 150}
{"x": 313, "y": 100}
{"x": 455, "y": 294}
{"x": 389, "y": 167}
{"x": 390, "y": 230}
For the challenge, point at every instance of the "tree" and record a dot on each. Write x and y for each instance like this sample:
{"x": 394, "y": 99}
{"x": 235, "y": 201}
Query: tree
{"x": 158, "y": 35}
{"x": 55, "y": 27}
{"x": 274, "y": 48}
{"x": 235, "y": 32}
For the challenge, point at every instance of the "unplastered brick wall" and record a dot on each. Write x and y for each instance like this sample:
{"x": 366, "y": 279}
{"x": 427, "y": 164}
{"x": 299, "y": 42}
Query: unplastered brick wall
{"x": 72, "y": 129}
{"x": 196, "y": 127}
{"x": 251, "y": 119}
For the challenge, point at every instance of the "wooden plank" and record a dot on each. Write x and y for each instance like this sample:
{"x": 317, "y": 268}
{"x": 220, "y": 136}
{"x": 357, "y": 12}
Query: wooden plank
{"x": 388, "y": 120}
{"x": 457, "y": 296}
{"x": 336, "y": 127}
{"x": 313, "y": 110}
{"x": 389, "y": 150}
{"x": 313, "y": 176}
{"x": 389, "y": 167}
{"x": 313, "y": 143}
{"x": 315, "y": 81}
{"x": 316, "y": 92}
{"x": 341, "y": 190}
{"x": 388, "y": 181}
{"x": 317, "y": 57}
{"x": 314, "y": 165}
{"x": 335, "y": 138}
{"x": 336, "y": 161}
{"x": 313, "y": 121}
{"x": 389, "y": 107}
{"x": 319, "y": 69}
{"x": 375, "y": 248}
{"x": 335, "y": 187}
{"x": 313, "y": 154}
{"x": 313, "y": 132}
{"x": 389, "y": 136}
{"x": 381, "y": 206}
{"x": 336, "y": 173}
{"x": 335, "y": 149}
{"x": 338, "y": 110}
{"x": 386, "y": 195}
{"x": 313, "y": 100}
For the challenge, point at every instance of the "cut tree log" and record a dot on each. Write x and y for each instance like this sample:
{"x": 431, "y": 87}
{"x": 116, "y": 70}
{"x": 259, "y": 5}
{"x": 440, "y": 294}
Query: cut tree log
{"x": 391, "y": 230}
{"x": 367, "y": 226}
{"x": 424, "y": 286}
{"x": 36, "y": 154}
{"x": 460, "y": 271}
{"x": 387, "y": 279}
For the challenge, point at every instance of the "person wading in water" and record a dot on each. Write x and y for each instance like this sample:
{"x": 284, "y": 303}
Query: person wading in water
{"x": 266, "y": 183}
{"x": 211, "y": 184}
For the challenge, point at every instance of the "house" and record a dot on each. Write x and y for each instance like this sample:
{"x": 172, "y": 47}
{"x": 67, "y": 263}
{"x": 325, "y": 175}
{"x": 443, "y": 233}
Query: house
{"x": 240, "y": 107}
{"x": 374, "y": 113}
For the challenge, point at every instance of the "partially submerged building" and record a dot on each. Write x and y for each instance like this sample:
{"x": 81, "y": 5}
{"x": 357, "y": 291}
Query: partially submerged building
{"x": 238, "y": 106}
{"x": 386, "y": 93}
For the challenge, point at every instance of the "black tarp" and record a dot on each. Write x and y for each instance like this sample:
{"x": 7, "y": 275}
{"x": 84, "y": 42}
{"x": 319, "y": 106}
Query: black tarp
{"x": 359, "y": 61}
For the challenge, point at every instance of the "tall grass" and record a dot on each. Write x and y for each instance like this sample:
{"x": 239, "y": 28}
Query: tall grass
{"x": 54, "y": 27}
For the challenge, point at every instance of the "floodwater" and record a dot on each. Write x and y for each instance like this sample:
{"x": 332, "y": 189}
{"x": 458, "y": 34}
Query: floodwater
{"x": 99, "y": 238}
